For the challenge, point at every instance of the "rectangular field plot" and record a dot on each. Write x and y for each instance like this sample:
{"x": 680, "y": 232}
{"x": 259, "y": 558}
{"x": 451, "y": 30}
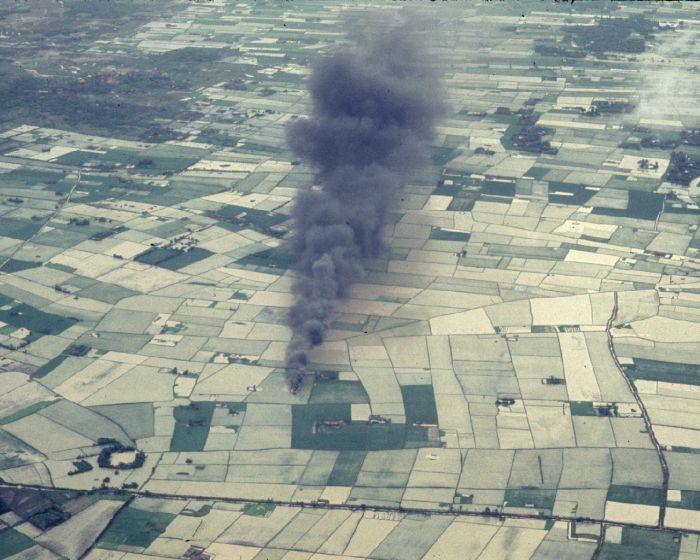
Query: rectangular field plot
{"x": 173, "y": 259}
{"x": 421, "y": 413}
{"x": 330, "y": 427}
{"x": 635, "y": 495}
{"x": 35, "y": 320}
{"x": 669, "y": 372}
{"x": 538, "y": 499}
{"x": 135, "y": 527}
{"x": 642, "y": 543}
{"x": 334, "y": 391}
{"x": 346, "y": 468}
{"x": 13, "y": 542}
{"x": 191, "y": 426}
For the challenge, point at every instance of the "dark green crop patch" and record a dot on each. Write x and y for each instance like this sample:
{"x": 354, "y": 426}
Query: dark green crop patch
{"x": 135, "y": 527}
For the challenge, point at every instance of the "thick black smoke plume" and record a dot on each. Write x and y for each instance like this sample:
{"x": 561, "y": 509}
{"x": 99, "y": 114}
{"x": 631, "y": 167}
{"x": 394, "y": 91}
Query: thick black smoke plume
{"x": 374, "y": 109}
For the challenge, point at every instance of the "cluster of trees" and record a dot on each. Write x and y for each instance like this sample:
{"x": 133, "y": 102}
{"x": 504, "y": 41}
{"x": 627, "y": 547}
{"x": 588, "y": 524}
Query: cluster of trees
{"x": 81, "y": 466}
{"x": 646, "y": 164}
{"x": 558, "y": 50}
{"x": 691, "y": 137}
{"x": 601, "y": 107}
{"x": 129, "y": 100}
{"x": 625, "y": 35}
{"x": 531, "y": 137}
{"x": 619, "y": 35}
{"x": 682, "y": 169}
{"x": 55, "y": 515}
{"x": 104, "y": 459}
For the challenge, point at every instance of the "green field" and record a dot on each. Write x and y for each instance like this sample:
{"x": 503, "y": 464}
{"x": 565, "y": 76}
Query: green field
{"x": 172, "y": 259}
{"x": 31, "y": 409}
{"x": 641, "y": 206}
{"x": 201, "y": 512}
{"x": 325, "y": 405}
{"x": 419, "y": 404}
{"x": 27, "y": 177}
{"x": 271, "y": 258}
{"x": 581, "y": 408}
{"x": 333, "y": 391}
{"x": 61, "y": 267}
{"x": 191, "y": 426}
{"x": 525, "y": 497}
{"x": 49, "y": 366}
{"x": 690, "y": 499}
{"x": 135, "y": 527}
{"x": 447, "y": 235}
{"x": 143, "y": 162}
{"x": 13, "y": 542}
{"x": 636, "y": 495}
{"x": 18, "y": 229}
{"x": 643, "y": 544}
{"x": 352, "y": 436}
{"x": 14, "y": 265}
{"x": 258, "y": 510}
{"x": 669, "y": 372}
{"x": 346, "y": 468}
{"x": 108, "y": 293}
{"x": 238, "y": 217}
{"x": 23, "y": 315}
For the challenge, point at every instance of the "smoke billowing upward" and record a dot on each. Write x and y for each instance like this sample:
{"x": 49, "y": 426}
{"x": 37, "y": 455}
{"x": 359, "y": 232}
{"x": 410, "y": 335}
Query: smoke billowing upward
{"x": 373, "y": 112}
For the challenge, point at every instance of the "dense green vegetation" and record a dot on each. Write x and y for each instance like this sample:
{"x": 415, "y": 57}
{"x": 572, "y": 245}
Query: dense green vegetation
{"x": 104, "y": 459}
{"x": 524, "y": 135}
{"x": 603, "y": 106}
{"x": 81, "y": 466}
{"x": 129, "y": 98}
{"x": 607, "y": 35}
{"x": 682, "y": 169}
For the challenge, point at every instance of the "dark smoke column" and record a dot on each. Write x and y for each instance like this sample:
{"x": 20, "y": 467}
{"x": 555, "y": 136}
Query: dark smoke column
{"x": 374, "y": 109}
